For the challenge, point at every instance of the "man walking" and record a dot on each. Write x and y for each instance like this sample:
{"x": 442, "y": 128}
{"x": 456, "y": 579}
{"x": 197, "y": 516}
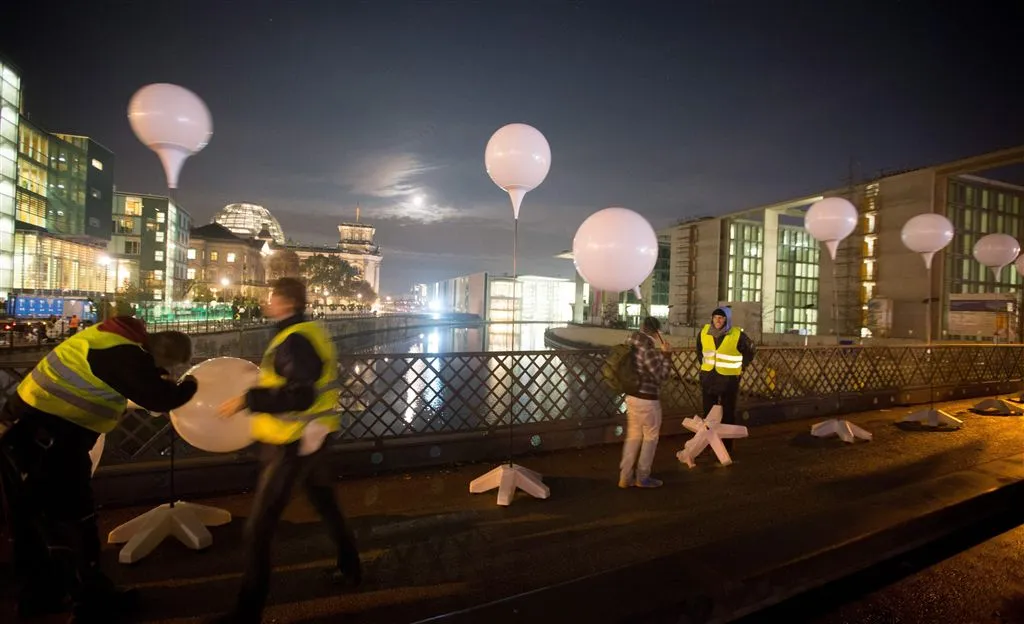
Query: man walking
{"x": 643, "y": 410}
{"x": 723, "y": 352}
{"x": 295, "y": 406}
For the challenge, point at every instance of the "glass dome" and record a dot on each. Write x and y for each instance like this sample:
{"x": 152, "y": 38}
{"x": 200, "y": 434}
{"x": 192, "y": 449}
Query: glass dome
{"x": 247, "y": 220}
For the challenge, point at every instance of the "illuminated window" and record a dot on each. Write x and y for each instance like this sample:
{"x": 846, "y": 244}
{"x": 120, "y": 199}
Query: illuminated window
{"x": 231, "y": 257}
{"x": 158, "y": 255}
{"x": 159, "y": 237}
{"x": 190, "y": 274}
{"x": 213, "y": 256}
{"x": 191, "y": 253}
{"x": 161, "y": 217}
{"x": 133, "y": 206}
{"x": 97, "y": 164}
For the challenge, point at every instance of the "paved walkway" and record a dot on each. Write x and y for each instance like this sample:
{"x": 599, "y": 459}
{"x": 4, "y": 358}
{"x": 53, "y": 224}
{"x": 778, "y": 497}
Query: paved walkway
{"x": 430, "y": 547}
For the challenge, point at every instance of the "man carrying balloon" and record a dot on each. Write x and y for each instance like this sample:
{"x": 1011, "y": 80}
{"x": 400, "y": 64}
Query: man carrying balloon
{"x": 295, "y": 407}
{"x": 72, "y": 396}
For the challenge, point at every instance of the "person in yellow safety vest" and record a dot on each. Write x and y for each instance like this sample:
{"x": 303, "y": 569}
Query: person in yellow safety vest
{"x": 294, "y": 407}
{"x": 78, "y": 391}
{"x": 723, "y": 352}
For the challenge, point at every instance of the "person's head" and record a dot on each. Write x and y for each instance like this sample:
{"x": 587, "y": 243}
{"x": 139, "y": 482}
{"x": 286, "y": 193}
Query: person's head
{"x": 287, "y": 298}
{"x": 720, "y": 318}
{"x": 651, "y": 325}
{"x": 170, "y": 349}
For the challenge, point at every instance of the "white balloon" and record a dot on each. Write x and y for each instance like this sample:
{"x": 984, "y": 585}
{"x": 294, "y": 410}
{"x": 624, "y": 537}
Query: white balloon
{"x": 615, "y": 249}
{"x": 197, "y": 421}
{"x": 927, "y": 234}
{"x": 830, "y": 220}
{"x": 1019, "y": 264}
{"x": 173, "y": 122}
{"x": 518, "y": 159}
{"x": 996, "y": 251}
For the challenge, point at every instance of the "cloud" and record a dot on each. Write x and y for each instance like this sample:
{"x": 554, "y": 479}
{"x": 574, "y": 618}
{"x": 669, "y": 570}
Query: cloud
{"x": 383, "y": 175}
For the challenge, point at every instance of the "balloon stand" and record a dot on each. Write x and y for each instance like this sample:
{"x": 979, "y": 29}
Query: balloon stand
{"x": 929, "y": 416}
{"x": 185, "y": 521}
{"x": 843, "y": 429}
{"x": 709, "y": 431}
{"x": 510, "y": 477}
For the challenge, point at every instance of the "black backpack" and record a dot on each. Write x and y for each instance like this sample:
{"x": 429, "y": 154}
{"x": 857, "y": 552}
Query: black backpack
{"x": 619, "y": 370}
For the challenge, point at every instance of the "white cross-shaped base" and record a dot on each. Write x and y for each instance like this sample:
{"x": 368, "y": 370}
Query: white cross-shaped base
{"x": 709, "y": 432}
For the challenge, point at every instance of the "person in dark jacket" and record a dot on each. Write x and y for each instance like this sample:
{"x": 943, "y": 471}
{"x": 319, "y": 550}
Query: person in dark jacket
{"x": 724, "y": 352}
{"x": 76, "y": 392}
{"x": 295, "y": 406}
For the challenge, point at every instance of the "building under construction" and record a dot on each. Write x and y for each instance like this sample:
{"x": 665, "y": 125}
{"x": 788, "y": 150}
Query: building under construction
{"x": 778, "y": 279}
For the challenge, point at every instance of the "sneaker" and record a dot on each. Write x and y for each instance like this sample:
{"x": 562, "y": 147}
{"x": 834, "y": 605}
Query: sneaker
{"x": 626, "y": 483}
{"x": 649, "y": 482}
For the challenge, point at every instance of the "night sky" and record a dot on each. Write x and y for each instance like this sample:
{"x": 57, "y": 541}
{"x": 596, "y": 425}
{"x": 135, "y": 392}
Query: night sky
{"x": 673, "y": 109}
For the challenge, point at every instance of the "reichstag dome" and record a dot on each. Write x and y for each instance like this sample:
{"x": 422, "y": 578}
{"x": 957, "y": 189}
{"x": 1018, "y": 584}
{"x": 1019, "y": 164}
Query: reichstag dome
{"x": 246, "y": 220}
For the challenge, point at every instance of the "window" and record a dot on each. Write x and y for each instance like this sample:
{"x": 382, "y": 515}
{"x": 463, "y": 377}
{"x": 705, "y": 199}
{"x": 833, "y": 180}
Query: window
{"x": 131, "y": 248}
{"x": 231, "y": 257}
{"x": 158, "y": 275}
{"x": 161, "y": 217}
{"x": 133, "y": 206}
{"x": 190, "y": 274}
{"x": 158, "y": 255}
{"x": 124, "y": 226}
{"x": 191, "y": 253}
{"x": 213, "y": 256}
{"x": 159, "y": 237}
{"x": 97, "y": 164}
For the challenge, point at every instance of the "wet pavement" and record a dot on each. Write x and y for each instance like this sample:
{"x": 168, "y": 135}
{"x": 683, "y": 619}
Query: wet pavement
{"x": 429, "y": 547}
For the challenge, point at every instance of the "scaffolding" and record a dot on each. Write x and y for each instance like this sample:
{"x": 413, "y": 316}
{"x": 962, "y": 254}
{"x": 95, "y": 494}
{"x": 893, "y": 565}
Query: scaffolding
{"x": 683, "y": 286}
{"x": 849, "y": 270}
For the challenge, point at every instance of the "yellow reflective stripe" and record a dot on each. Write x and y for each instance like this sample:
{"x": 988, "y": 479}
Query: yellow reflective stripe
{"x": 62, "y": 370}
{"x": 69, "y": 397}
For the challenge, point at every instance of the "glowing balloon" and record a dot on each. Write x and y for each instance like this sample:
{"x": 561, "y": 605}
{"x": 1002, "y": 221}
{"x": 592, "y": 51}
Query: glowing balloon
{"x": 927, "y": 234}
{"x": 830, "y": 220}
{"x": 197, "y": 421}
{"x": 615, "y": 249}
{"x": 996, "y": 251}
{"x": 173, "y": 122}
{"x": 518, "y": 159}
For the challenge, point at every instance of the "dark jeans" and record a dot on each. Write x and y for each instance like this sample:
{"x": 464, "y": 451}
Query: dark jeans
{"x": 283, "y": 468}
{"x": 47, "y": 485}
{"x": 720, "y": 389}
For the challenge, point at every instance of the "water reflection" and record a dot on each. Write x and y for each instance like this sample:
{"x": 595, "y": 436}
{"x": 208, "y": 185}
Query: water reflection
{"x": 447, "y": 339}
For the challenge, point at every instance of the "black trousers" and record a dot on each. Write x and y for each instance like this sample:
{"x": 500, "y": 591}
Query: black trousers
{"x": 47, "y": 485}
{"x": 283, "y": 468}
{"x": 724, "y": 390}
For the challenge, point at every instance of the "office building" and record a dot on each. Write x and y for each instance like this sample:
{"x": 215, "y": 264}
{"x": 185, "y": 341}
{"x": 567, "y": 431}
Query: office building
{"x": 10, "y": 115}
{"x": 500, "y": 299}
{"x": 226, "y": 263}
{"x": 779, "y": 280}
{"x": 149, "y": 244}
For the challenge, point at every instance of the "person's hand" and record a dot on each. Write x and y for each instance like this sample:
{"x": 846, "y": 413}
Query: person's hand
{"x": 231, "y": 407}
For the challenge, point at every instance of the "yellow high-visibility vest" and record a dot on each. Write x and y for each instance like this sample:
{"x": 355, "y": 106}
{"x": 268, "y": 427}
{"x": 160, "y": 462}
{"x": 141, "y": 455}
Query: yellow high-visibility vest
{"x": 725, "y": 359}
{"x": 62, "y": 383}
{"x": 287, "y": 428}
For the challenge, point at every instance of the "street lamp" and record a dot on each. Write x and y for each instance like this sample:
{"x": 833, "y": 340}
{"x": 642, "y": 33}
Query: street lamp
{"x": 105, "y": 263}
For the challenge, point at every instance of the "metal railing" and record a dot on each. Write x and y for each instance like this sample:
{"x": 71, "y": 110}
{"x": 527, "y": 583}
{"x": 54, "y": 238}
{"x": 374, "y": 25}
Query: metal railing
{"x": 409, "y": 399}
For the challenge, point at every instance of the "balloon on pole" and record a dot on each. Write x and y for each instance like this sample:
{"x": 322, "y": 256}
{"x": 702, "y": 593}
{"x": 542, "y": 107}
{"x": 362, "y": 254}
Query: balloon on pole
{"x": 927, "y": 234}
{"x": 831, "y": 220}
{"x": 173, "y": 122}
{"x": 197, "y": 422}
{"x": 615, "y": 249}
{"x": 996, "y": 251}
{"x": 518, "y": 159}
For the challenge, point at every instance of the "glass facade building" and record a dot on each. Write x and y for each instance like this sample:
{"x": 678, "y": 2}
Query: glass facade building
{"x": 148, "y": 245}
{"x": 10, "y": 116}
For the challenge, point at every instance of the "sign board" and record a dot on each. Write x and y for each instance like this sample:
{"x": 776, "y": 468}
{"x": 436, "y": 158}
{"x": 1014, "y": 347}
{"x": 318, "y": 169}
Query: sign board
{"x": 980, "y": 314}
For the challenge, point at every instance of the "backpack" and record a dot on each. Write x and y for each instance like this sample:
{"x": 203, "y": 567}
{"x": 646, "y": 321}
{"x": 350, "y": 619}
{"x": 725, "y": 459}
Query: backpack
{"x": 619, "y": 370}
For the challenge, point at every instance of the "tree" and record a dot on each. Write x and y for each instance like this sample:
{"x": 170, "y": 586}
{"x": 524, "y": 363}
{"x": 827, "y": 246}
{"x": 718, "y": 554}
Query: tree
{"x": 127, "y": 295}
{"x": 201, "y": 293}
{"x": 283, "y": 263}
{"x": 359, "y": 287}
{"x": 328, "y": 274}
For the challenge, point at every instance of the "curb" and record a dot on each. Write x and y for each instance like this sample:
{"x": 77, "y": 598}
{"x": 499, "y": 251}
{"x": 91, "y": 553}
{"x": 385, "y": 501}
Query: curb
{"x": 718, "y": 582}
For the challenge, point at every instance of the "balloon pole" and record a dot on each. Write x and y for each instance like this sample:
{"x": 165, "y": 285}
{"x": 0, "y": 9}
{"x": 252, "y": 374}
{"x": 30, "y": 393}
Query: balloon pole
{"x": 844, "y": 429}
{"x": 511, "y": 477}
{"x": 930, "y": 416}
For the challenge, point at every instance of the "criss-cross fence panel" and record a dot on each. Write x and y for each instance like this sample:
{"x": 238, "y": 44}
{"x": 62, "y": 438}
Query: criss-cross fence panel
{"x": 399, "y": 396}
